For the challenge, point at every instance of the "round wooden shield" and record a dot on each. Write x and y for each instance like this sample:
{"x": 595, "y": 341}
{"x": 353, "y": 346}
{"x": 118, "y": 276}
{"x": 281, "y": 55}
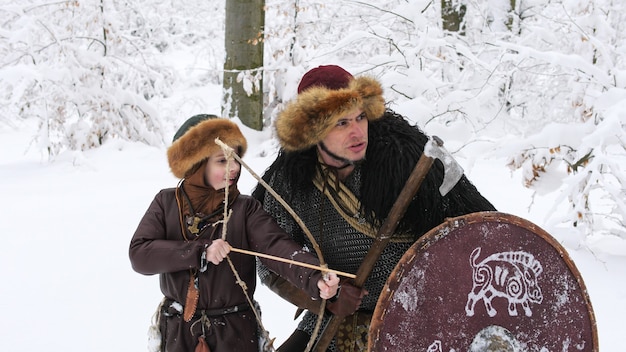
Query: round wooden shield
{"x": 486, "y": 281}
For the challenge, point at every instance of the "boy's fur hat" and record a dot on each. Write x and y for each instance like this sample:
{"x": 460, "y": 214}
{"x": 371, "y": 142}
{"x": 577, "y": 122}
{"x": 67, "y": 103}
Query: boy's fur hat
{"x": 329, "y": 94}
{"x": 195, "y": 142}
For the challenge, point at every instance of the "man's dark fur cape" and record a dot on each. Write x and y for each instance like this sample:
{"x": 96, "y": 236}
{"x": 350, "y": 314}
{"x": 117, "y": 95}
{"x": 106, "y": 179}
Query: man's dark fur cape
{"x": 393, "y": 151}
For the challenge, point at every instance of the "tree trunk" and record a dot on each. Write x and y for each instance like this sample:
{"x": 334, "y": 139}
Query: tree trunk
{"x": 243, "y": 67}
{"x": 452, "y": 16}
{"x": 512, "y": 14}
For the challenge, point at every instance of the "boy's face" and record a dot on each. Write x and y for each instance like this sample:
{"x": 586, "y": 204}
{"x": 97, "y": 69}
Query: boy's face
{"x": 215, "y": 173}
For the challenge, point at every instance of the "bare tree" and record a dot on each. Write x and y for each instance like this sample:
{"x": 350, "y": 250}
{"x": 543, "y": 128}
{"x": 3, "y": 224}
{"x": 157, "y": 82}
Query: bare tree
{"x": 243, "y": 67}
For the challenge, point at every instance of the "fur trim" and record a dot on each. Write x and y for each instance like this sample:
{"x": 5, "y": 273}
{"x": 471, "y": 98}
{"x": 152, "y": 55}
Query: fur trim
{"x": 198, "y": 143}
{"x": 307, "y": 120}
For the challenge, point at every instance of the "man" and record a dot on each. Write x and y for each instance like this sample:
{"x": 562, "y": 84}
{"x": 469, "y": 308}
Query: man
{"x": 343, "y": 162}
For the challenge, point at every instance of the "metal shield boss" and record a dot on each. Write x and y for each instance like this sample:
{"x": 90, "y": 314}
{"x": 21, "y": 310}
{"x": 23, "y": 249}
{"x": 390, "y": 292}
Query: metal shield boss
{"x": 486, "y": 281}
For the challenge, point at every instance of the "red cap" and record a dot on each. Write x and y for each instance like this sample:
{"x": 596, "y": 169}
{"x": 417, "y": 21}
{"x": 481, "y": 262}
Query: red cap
{"x": 329, "y": 76}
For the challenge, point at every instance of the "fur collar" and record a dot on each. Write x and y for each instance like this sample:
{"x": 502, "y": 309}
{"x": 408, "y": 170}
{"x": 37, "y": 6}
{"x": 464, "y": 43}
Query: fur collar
{"x": 393, "y": 150}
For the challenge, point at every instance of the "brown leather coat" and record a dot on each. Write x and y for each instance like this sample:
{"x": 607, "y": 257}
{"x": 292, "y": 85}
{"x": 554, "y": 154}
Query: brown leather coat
{"x": 158, "y": 247}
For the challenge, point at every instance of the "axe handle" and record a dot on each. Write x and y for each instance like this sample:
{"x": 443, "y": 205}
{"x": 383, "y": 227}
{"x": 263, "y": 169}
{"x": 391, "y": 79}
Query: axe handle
{"x": 383, "y": 237}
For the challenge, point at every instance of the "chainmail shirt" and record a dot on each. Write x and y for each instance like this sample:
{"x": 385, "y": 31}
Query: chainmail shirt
{"x": 343, "y": 247}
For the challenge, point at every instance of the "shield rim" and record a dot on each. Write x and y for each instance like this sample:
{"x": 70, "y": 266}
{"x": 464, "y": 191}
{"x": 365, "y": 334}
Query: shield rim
{"x": 447, "y": 227}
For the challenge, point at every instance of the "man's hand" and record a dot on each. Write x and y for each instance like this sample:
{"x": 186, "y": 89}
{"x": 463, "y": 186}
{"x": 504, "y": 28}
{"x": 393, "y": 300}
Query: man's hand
{"x": 347, "y": 301}
{"x": 217, "y": 251}
{"x": 328, "y": 286}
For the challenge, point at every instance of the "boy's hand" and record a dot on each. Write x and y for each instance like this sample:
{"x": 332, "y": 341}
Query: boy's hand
{"x": 217, "y": 251}
{"x": 328, "y": 286}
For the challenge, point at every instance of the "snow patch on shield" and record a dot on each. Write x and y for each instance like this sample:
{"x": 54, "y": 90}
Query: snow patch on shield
{"x": 410, "y": 296}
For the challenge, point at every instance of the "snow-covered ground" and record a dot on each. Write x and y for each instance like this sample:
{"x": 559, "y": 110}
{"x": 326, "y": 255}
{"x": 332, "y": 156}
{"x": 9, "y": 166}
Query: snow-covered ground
{"x": 67, "y": 284}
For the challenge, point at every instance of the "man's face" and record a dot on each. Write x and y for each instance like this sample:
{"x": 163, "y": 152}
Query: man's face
{"x": 346, "y": 143}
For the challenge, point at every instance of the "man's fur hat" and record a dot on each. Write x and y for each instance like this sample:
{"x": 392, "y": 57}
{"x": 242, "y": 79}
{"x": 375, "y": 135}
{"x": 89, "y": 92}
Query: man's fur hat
{"x": 326, "y": 94}
{"x": 195, "y": 142}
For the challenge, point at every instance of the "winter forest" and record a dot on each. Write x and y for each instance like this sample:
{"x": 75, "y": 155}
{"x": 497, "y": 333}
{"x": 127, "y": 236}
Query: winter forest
{"x": 542, "y": 83}
{"x": 538, "y": 84}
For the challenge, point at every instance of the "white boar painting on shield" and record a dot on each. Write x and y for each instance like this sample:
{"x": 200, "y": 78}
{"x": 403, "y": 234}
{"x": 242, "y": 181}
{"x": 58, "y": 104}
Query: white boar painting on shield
{"x": 510, "y": 275}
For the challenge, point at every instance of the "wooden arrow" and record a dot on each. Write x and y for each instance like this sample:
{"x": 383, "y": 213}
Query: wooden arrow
{"x": 294, "y": 262}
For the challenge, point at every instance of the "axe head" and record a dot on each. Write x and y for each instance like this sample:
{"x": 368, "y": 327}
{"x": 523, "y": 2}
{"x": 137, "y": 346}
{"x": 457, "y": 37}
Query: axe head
{"x": 452, "y": 171}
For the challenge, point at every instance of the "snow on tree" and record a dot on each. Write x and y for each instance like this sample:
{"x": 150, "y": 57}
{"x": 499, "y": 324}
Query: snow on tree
{"x": 541, "y": 84}
{"x": 90, "y": 71}
{"x": 548, "y": 75}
